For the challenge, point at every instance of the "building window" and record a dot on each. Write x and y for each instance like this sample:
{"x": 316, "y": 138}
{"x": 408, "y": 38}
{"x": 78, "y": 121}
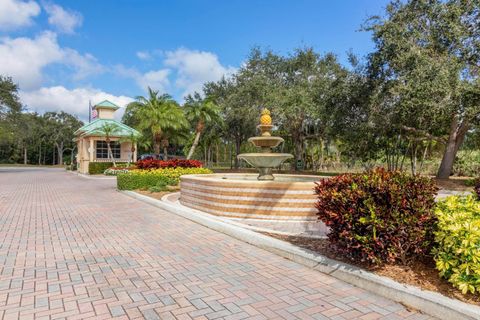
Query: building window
{"x": 102, "y": 150}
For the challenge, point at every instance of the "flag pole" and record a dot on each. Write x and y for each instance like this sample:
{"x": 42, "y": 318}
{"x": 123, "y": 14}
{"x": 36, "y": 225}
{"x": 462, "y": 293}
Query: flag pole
{"x": 89, "y": 111}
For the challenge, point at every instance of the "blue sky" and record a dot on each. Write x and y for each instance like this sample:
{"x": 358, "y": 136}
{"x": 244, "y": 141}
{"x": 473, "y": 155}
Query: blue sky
{"x": 64, "y": 53}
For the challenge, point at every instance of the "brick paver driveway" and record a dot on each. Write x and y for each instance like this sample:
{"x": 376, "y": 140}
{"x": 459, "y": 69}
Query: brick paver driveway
{"x": 75, "y": 248}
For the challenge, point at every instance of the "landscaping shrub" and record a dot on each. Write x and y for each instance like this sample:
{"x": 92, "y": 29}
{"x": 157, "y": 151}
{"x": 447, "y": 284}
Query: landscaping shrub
{"x": 174, "y": 163}
{"x": 457, "y": 250}
{"x": 158, "y": 188}
{"x": 144, "y": 179}
{"x": 467, "y": 163}
{"x": 476, "y": 188}
{"x": 378, "y": 216}
{"x": 100, "y": 167}
{"x": 115, "y": 171}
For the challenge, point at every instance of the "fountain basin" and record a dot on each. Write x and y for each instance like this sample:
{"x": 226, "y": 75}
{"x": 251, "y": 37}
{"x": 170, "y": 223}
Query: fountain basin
{"x": 265, "y": 142}
{"x": 242, "y": 195}
{"x": 265, "y": 160}
{"x": 286, "y": 204}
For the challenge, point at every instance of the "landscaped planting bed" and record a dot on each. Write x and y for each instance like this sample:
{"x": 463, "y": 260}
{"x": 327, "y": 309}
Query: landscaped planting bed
{"x": 389, "y": 223}
{"x": 155, "y": 180}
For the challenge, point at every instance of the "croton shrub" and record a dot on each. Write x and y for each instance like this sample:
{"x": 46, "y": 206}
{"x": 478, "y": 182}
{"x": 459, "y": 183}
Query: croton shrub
{"x": 378, "y": 216}
{"x": 145, "y": 179}
{"x": 174, "y": 163}
{"x": 476, "y": 188}
{"x": 457, "y": 249}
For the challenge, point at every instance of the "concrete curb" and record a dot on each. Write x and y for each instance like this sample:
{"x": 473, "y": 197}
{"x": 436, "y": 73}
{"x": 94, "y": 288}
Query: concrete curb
{"x": 85, "y": 176}
{"x": 234, "y": 221}
{"x": 428, "y": 302}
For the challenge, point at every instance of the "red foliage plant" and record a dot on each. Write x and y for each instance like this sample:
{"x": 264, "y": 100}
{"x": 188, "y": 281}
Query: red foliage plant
{"x": 378, "y": 216}
{"x": 476, "y": 188}
{"x": 174, "y": 163}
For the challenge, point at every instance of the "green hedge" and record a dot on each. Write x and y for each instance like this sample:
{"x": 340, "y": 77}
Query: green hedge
{"x": 145, "y": 179}
{"x": 127, "y": 181}
{"x": 100, "y": 167}
{"x": 457, "y": 252}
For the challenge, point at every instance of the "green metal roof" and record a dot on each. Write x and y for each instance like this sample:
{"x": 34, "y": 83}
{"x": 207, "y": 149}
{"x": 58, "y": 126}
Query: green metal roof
{"x": 94, "y": 128}
{"x": 106, "y": 104}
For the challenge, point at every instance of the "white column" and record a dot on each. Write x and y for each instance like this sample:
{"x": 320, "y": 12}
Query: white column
{"x": 91, "y": 150}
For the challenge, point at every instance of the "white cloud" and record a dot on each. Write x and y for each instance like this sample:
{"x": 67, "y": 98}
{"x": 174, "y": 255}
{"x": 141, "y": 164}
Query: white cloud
{"x": 15, "y": 14}
{"x": 155, "y": 79}
{"x": 194, "y": 68}
{"x": 24, "y": 59}
{"x": 144, "y": 55}
{"x": 73, "y": 101}
{"x": 84, "y": 65}
{"x": 63, "y": 20}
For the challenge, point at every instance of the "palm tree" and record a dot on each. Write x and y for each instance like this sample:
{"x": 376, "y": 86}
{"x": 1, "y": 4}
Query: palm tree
{"x": 109, "y": 129}
{"x": 133, "y": 139}
{"x": 202, "y": 112}
{"x": 159, "y": 114}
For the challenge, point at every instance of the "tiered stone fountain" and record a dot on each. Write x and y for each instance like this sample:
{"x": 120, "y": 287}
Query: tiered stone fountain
{"x": 282, "y": 203}
{"x": 266, "y": 160}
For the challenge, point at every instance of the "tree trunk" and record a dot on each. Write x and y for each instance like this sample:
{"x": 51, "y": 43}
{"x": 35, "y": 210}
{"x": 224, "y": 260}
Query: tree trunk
{"x": 424, "y": 156}
{"x": 413, "y": 159}
{"x": 60, "y": 152}
{"x": 238, "y": 144}
{"x": 321, "y": 154}
{"x": 25, "y": 160}
{"x": 209, "y": 153}
{"x": 40, "y": 154}
{"x": 230, "y": 155}
{"x": 298, "y": 147}
{"x": 156, "y": 144}
{"x": 110, "y": 154}
{"x": 194, "y": 145}
{"x": 53, "y": 156}
{"x": 455, "y": 140}
{"x": 165, "y": 152}
{"x": 156, "y": 147}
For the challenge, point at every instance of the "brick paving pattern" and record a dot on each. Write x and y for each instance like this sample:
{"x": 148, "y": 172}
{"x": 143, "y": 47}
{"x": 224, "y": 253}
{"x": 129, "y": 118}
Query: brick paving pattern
{"x": 74, "y": 248}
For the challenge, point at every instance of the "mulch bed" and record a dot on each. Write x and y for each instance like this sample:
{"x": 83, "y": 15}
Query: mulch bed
{"x": 419, "y": 274}
{"x": 454, "y": 183}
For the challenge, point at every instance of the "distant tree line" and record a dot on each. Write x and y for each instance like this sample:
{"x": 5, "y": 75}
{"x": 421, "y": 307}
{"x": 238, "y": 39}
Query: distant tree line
{"x": 31, "y": 138}
{"x": 416, "y": 97}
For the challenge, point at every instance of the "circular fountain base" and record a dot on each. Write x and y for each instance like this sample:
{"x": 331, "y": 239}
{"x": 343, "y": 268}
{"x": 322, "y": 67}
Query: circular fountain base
{"x": 286, "y": 204}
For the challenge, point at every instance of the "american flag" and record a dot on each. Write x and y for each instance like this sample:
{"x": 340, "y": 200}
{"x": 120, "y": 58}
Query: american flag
{"x": 92, "y": 113}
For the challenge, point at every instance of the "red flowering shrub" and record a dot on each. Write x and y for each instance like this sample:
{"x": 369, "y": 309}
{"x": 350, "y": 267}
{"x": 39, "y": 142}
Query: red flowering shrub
{"x": 378, "y": 216}
{"x": 174, "y": 163}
